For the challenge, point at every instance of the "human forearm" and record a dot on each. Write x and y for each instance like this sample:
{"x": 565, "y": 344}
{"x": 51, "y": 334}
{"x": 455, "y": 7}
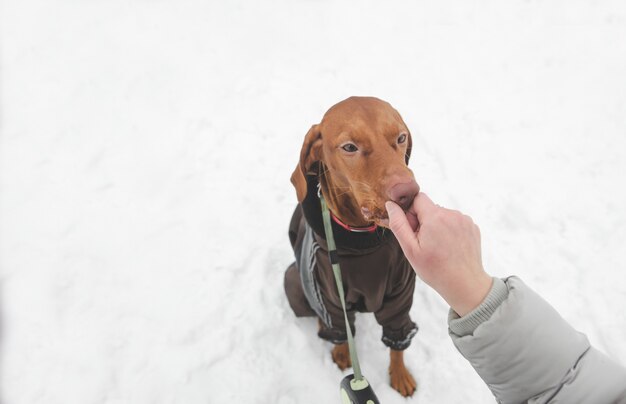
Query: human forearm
{"x": 524, "y": 349}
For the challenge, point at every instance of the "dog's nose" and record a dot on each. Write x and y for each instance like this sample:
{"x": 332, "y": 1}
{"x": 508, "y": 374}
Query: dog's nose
{"x": 404, "y": 193}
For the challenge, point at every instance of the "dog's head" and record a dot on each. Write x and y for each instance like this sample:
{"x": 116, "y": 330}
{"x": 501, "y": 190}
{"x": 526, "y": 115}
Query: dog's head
{"x": 363, "y": 147}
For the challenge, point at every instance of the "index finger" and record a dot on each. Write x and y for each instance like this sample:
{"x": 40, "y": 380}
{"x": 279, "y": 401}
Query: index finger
{"x": 422, "y": 205}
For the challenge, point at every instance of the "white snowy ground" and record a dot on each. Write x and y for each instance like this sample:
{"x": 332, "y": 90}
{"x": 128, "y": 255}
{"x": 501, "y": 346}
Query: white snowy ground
{"x": 146, "y": 151}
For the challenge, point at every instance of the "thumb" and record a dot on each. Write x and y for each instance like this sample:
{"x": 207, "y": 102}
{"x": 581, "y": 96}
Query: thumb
{"x": 400, "y": 227}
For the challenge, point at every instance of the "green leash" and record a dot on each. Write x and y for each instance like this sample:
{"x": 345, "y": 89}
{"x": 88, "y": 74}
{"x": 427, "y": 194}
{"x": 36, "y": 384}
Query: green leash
{"x": 354, "y": 388}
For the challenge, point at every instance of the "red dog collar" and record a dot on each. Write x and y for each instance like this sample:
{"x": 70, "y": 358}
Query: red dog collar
{"x": 368, "y": 229}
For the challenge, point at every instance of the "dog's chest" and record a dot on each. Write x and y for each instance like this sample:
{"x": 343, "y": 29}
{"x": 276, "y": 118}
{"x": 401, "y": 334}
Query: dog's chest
{"x": 368, "y": 277}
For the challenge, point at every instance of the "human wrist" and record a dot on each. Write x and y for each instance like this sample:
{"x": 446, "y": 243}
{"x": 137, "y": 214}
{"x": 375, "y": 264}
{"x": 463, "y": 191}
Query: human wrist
{"x": 462, "y": 326}
{"x": 469, "y": 293}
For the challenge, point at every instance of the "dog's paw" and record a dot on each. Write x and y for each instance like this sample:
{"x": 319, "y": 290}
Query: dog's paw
{"x": 341, "y": 356}
{"x": 402, "y": 381}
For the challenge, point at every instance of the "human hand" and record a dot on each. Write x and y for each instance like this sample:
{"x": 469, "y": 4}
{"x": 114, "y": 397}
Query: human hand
{"x": 443, "y": 247}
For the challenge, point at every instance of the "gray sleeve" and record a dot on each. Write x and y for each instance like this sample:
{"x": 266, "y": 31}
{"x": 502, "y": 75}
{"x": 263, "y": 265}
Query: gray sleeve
{"x": 526, "y": 352}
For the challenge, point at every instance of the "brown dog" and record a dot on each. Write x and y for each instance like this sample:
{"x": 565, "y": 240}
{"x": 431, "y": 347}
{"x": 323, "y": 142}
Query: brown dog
{"x": 357, "y": 158}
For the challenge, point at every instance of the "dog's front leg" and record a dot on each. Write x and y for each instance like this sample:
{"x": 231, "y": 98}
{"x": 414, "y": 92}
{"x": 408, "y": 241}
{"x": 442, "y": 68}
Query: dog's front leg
{"x": 341, "y": 356}
{"x": 400, "y": 376}
{"x": 340, "y": 353}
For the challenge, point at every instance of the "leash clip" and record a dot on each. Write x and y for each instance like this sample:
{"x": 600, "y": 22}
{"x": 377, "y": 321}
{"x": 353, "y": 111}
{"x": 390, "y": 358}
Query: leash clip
{"x": 354, "y": 391}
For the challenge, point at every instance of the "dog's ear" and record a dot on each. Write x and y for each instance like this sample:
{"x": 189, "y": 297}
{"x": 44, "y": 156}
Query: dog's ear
{"x": 409, "y": 146}
{"x": 310, "y": 153}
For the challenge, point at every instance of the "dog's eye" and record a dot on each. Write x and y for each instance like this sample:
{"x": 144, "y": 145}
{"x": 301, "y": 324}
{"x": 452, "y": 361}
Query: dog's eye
{"x": 402, "y": 138}
{"x": 350, "y": 148}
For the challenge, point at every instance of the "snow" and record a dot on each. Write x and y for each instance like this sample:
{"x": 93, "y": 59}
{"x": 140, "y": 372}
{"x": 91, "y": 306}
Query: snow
{"x": 145, "y": 156}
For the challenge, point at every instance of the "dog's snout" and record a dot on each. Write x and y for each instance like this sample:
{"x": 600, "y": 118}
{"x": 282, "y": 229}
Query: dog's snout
{"x": 404, "y": 193}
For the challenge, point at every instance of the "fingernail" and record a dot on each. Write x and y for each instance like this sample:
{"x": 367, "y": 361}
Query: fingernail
{"x": 390, "y": 207}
